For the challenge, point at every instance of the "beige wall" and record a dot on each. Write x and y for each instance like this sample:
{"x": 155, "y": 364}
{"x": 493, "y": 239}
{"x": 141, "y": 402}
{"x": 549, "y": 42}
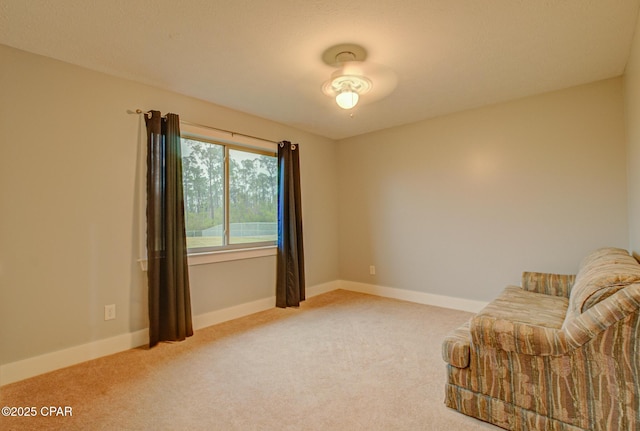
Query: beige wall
{"x": 69, "y": 230}
{"x": 632, "y": 111}
{"x": 456, "y": 206}
{"x": 461, "y": 205}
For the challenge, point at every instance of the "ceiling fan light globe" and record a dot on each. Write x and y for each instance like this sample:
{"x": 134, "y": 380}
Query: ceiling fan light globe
{"x": 347, "y": 99}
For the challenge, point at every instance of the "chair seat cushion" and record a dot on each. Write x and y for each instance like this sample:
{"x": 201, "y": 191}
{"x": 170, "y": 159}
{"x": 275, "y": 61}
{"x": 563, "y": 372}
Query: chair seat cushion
{"x": 521, "y": 321}
{"x": 513, "y": 305}
{"x": 518, "y": 305}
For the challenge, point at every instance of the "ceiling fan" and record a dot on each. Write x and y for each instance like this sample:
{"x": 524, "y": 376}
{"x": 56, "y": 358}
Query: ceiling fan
{"x": 354, "y": 77}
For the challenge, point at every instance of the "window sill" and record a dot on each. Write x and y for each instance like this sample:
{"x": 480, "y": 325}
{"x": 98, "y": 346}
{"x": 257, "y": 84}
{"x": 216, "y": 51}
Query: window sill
{"x": 227, "y": 255}
{"x": 224, "y": 255}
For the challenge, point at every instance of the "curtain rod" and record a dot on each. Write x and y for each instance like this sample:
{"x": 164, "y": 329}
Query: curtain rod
{"x": 232, "y": 133}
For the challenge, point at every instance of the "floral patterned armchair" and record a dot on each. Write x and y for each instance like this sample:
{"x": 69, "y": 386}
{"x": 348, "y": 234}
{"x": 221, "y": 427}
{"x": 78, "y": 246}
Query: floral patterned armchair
{"x": 561, "y": 352}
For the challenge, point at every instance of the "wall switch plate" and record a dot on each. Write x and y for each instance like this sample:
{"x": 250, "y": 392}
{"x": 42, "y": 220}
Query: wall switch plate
{"x": 110, "y": 312}
{"x": 372, "y": 270}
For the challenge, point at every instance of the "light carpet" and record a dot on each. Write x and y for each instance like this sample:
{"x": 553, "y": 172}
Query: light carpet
{"x": 341, "y": 361}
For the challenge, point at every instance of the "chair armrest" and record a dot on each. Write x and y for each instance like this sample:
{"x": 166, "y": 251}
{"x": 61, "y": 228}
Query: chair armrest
{"x": 518, "y": 337}
{"x": 550, "y": 284}
{"x": 456, "y": 348}
{"x": 600, "y": 317}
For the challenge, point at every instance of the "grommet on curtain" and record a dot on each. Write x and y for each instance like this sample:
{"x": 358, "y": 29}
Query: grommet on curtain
{"x": 148, "y": 114}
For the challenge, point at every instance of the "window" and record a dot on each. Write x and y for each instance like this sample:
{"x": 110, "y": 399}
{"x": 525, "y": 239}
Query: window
{"x": 230, "y": 195}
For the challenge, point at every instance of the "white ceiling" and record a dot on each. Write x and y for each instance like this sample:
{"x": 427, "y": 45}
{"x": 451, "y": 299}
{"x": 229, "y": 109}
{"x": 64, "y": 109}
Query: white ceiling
{"x": 264, "y": 57}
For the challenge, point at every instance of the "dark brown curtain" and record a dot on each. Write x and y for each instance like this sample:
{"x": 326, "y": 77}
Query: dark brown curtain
{"x": 290, "y": 284}
{"x": 168, "y": 276}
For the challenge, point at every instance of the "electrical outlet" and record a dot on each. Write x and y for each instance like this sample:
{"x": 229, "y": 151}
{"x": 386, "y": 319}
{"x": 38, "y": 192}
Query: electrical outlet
{"x": 110, "y": 312}
{"x": 372, "y": 270}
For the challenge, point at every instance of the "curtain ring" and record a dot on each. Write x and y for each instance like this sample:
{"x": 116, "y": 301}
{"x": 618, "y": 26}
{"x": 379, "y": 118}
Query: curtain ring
{"x": 281, "y": 144}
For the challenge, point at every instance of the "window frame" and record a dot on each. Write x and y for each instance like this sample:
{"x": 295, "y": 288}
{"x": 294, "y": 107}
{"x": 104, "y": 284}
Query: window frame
{"x": 201, "y": 255}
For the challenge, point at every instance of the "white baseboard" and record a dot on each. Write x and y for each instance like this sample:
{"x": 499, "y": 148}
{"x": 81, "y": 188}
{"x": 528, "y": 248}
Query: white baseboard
{"x": 30, "y": 367}
{"x": 241, "y": 310}
{"x": 319, "y": 289}
{"x": 34, "y": 366}
{"x": 415, "y": 296}
{"x": 218, "y": 316}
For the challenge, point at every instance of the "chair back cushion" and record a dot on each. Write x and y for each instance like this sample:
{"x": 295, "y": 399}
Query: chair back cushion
{"x": 601, "y": 274}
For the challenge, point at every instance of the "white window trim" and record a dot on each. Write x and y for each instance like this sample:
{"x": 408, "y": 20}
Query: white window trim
{"x": 226, "y": 137}
{"x": 223, "y": 256}
{"x": 232, "y": 254}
